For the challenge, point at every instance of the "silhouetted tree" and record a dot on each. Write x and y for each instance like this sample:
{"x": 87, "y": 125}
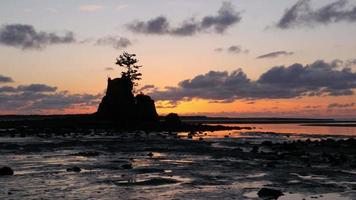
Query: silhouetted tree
{"x": 129, "y": 61}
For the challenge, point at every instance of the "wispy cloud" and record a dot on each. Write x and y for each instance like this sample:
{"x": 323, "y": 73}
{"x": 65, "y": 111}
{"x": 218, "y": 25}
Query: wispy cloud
{"x": 275, "y": 54}
{"x": 91, "y": 7}
{"x": 114, "y": 41}
{"x": 233, "y": 49}
{"x": 339, "y": 105}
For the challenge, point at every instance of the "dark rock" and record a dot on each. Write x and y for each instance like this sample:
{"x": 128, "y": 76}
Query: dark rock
{"x": 87, "y": 154}
{"x": 119, "y": 102}
{"x": 121, "y": 105}
{"x": 6, "y": 171}
{"x": 127, "y": 166}
{"x": 267, "y": 143}
{"x": 150, "y": 154}
{"x": 255, "y": 149}
{"x": 268, "y": 193}
{"x": 74, "y": 169}
{"x": 145, "y": 109}
{"x": 172, "y": 119}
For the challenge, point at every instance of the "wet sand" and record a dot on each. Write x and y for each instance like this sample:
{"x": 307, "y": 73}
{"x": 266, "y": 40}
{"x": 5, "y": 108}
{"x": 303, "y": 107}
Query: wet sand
{"x": 165, "y": 166}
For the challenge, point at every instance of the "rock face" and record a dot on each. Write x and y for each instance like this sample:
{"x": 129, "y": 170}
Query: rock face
{"x": 121, "y": 105}
{"x": 145, "y": 108}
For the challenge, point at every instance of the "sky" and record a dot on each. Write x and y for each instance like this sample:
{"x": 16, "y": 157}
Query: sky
{"x": 237, "y": 58}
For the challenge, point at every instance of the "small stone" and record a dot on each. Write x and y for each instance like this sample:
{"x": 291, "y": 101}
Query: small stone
{"x": 6, "y": 171}
{"x": 127, "y": 166}
{"x": 74, "y": 169}
{"x": 268, "y": 193}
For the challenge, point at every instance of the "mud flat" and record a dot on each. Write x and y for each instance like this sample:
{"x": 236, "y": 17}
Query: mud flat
{"x": 161, "y": 165}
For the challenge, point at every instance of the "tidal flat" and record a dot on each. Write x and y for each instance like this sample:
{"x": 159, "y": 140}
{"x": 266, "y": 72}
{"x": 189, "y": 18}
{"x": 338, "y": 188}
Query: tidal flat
{"x": 172, "y": 165}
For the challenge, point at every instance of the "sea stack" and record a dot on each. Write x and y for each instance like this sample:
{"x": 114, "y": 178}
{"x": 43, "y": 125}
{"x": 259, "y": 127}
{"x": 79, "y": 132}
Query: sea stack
{"x": 120, "y": 104}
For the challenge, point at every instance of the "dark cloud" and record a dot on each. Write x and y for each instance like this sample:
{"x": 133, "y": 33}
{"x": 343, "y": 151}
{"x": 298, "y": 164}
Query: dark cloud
{"x": 115, "y": 42}
{"x": 36, "y": 88}
{"x": 26, "y": 37}
{"x": 147, "y": 88}
{"x": 7, "y": 89}
{"x": 5, "y": 79}
{"x": 338, "y": 105}
{"x": 317, "y": 79}
{"x": 226, "y": 17}
{"x": 275, "y": 54}
{"x": 301, "y": 14}
{"x": 40, "y": 97}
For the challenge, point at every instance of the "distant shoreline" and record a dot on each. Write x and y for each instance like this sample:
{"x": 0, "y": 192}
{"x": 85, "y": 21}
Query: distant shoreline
{"x": 210, "y": 120}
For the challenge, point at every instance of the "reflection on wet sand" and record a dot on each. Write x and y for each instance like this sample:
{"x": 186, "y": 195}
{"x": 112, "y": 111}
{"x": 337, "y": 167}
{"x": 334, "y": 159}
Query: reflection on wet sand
{"x": 301, "y": 166}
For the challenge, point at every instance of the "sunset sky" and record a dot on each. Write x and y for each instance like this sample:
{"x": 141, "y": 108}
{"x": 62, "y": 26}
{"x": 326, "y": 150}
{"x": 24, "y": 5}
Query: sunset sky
{"x": 240, "y": 58}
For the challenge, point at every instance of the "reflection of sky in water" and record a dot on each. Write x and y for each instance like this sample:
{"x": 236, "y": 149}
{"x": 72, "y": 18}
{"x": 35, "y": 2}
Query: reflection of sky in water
{"x": 295, "y": 129}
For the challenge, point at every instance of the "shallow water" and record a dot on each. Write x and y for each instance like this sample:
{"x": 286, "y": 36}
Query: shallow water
{"x": 294, "y": 131}
{"x": 177, "y": 169}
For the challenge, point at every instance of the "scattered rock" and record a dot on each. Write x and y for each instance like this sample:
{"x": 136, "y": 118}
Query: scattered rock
{"x": 127, "y": 166}
{"x": 255, "y": 149}
{"x": 150, "y": 182}
{"x": 268, "y": 193}
{"x": 6, "y": 171}
{"x": 74, "y": 169}
{"x": 87, "y": 154}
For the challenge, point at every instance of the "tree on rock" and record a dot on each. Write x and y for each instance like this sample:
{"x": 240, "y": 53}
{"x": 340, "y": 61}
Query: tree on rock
{"x": 129, "y": 61}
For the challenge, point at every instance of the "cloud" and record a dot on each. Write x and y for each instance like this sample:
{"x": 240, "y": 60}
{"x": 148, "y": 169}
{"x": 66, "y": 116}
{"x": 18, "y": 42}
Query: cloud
{"x": 36, "y": 88}
{"x": 350, "y": 63}
{"x": 275, "y": 54}
{"x": 301, "y": 14}
{"x": 233, "y": 49}
{"x": 5, "y": 79}
{"x": 225, "y": 18}
{"x": 91, "y": 7}
{"x": 317, "y": 79}
{"x": 115, "y": 42}
{"x": 338, "y": 105}
{"x": 147, "y": 88}
{"x": 26, "y": 37}
{"x": 40, "y": 97}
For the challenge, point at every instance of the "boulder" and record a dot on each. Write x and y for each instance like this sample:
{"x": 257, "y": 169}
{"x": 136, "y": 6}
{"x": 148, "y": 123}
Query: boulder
{"x": 269, "y": 193}
{"x": 172, "y": 119}
{"x": 145, "y": 108}
{"x": 6, "y": 171}
{"x": 74, "y": 169}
